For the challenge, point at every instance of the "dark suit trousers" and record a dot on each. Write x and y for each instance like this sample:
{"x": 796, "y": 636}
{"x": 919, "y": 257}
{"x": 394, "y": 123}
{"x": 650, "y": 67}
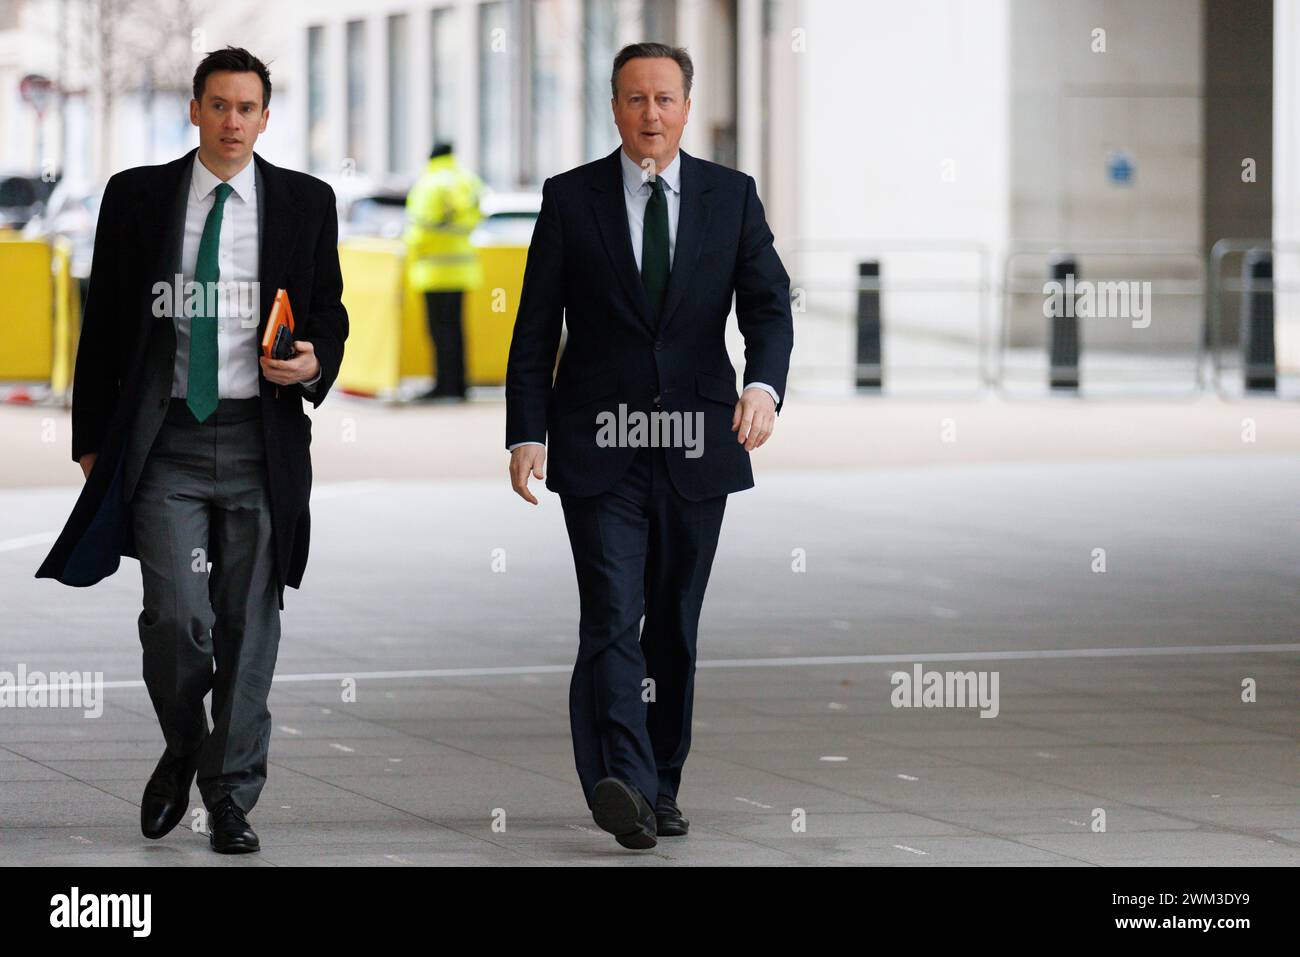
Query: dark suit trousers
{"x": 638, "y": 549}
{"x": 204, "y": 487}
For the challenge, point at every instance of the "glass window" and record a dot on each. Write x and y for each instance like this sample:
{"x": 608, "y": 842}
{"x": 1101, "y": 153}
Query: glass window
{"x": 317, "y": 125}
{"x": 497, "y": 55}
{"x": 444, "y": 48}
{"x": 549, "y": 48}
{"x": 356, "y": 67}
{"x": 398, "y": 72}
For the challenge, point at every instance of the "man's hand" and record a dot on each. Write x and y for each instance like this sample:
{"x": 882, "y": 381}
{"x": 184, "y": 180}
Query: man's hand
{"x": 300, "y": 368}
{"x": 525, "y": 460}
{"x": 87, "y": 462}
{"x": 754, "y": 418}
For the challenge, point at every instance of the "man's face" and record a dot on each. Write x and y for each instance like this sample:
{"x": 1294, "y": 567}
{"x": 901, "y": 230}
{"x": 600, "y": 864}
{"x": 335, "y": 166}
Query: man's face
{"x": 229, "y": 117}
{"x": 651, "y": 108}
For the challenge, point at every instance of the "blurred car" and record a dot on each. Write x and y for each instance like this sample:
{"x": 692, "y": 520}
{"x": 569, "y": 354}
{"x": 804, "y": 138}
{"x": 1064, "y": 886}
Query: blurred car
{"x": 380, "y": 214}
{"x": 72, "y": 211}
{"x": 21, "y": 198}
{"x": 508, "y": 219}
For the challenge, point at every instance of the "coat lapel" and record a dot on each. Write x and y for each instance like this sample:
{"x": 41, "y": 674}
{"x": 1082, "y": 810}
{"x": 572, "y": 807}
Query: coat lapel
{"x": 277, "y": 222}
{"x": 160, "y": 225}
{"x": 692, "y": 225}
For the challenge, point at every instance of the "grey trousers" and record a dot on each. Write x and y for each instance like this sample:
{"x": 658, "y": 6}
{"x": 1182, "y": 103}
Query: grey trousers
{"x": 203, "y": 497}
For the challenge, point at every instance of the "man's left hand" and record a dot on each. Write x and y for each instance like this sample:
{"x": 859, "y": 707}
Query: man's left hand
{"x": 300, "y": 368}
{"x": 754, "y": 418}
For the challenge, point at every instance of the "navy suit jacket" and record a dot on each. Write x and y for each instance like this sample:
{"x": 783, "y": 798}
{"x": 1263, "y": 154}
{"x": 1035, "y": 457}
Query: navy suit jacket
{"x": 581, "y": 272}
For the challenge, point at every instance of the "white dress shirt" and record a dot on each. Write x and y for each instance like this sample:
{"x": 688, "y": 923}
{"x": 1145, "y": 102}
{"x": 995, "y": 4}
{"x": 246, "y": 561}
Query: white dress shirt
{"x": 238, "y": 347}
{"x": 636, "y": 194}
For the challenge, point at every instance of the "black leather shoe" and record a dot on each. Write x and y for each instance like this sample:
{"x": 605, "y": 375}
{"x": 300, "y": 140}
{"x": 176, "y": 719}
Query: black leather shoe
{"x": 440, "y": 396}
{"x": 167, "y": 795}
{"x": 229, "y": 831}
{"x": 668, "y": 818}
{"x": 620, "y": 809}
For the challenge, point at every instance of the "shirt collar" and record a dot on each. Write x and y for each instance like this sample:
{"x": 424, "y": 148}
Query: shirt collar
{"x": 203, "y": 180}
{"x": 633, "y": 179}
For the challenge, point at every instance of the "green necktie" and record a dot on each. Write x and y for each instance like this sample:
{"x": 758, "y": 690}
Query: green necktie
{"x": 201, "y": 390}
{"x": 654, "y": 248}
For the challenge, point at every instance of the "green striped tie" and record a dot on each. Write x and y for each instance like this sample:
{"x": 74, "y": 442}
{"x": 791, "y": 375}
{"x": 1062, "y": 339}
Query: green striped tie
{"x": 654, "y": 248}
{"x": 201, "y": 391}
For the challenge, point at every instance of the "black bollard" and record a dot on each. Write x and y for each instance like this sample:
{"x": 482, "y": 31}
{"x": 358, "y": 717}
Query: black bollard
{"x": 1258, "y": 355}
{"x": 1063, "y": 336}
{"x": 868, "y": 375}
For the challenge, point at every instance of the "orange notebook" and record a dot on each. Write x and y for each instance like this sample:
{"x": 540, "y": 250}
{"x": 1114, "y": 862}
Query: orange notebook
{"x": 281, "y": 318}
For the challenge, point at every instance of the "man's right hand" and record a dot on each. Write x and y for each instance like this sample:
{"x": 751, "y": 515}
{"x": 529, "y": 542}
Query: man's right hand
{"x": 525, "y": 460}
{"x": 87, "y": 463}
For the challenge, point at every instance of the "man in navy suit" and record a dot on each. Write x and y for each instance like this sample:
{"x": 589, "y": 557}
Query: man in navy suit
{"x": 640, "y": 254}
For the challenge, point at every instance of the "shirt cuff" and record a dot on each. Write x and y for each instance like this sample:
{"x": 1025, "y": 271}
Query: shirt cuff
{"x": 310, "y": 385}
{"x": 511, "y": 448}
{"x": 766, "y": 388}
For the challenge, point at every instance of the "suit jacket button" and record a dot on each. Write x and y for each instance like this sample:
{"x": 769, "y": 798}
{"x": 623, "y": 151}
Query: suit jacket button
{"x": 658, "y": 344}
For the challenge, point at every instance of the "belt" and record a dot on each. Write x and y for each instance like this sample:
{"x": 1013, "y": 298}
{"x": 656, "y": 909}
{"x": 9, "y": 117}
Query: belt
{"x": 228, "y": 412}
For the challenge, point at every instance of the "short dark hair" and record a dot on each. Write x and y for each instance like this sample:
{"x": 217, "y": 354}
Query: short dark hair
{"x": 234, "y": 60}
{"x": 635, "y": 51}
{"x": 441, "y": 148}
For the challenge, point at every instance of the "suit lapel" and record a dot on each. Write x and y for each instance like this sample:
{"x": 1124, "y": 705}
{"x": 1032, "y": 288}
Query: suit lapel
{"x": 692, "y": 225}
{"x": 611, "y": 217}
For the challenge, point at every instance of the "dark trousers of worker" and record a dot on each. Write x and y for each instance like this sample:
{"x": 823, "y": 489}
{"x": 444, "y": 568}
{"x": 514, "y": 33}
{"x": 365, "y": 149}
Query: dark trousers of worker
{"x": 443, "y": 311}
{"x": 203, "y": 496}
{"x": 638, "y": 549}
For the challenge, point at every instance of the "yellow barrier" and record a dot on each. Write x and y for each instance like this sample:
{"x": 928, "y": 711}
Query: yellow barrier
{"x": 389, "y": 338}
{"x": 67, "y": 318}
{"x": 26, "y": 326}
{"x": 490, "y": 314}
{"x": 373, "y": 281}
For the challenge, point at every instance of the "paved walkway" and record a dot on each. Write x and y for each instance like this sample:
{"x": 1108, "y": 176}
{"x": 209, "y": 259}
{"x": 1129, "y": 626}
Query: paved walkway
{"x": 1119, "y": 692}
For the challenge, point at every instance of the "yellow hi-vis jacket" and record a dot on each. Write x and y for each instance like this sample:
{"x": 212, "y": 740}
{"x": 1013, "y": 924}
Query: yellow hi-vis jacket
{"x": 442, "y": 209}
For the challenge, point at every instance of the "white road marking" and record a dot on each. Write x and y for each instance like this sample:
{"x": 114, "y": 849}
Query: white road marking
{"x": 26, "y": 541}
{"x": 1034, "y": 655}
